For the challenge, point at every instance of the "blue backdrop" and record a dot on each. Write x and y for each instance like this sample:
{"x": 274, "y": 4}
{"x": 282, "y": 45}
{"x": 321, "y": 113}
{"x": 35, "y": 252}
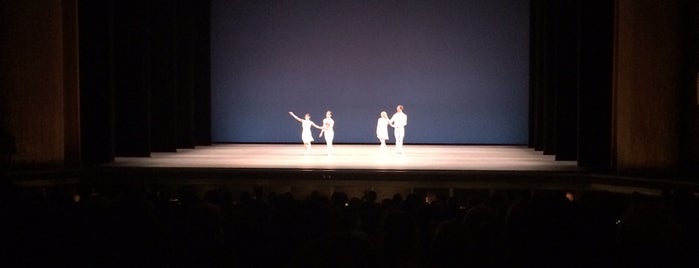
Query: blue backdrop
{"x": 460, "y": 68}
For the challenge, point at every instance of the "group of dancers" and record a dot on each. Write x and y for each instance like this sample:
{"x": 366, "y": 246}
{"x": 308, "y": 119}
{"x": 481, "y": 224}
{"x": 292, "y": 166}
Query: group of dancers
{"x": 398, "y": 121}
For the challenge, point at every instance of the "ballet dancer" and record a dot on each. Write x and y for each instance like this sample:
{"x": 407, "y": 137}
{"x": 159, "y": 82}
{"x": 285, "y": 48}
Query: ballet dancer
{"x": 398, "y": 121}
{"x": 328, "y": 124}
{"x": 382, "y": 129}
{"x": 306, "y": 124}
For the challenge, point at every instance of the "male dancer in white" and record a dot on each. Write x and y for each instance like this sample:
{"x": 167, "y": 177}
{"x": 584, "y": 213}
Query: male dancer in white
{"x": 398, "y": 121}
{"x": 328, "y": 124}
{"x": 306, "y": 135}
{"x": 382, "y": 129}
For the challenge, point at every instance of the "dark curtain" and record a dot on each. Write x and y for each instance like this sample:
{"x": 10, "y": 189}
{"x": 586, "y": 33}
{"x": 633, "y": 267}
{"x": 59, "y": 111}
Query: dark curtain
{"x": 570, "y": 80}
{"x": 144, "y": 77}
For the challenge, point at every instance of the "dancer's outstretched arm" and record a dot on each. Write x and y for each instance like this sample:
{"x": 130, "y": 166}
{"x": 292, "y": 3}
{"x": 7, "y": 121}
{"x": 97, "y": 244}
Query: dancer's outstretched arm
{"x": 296, "y": 117}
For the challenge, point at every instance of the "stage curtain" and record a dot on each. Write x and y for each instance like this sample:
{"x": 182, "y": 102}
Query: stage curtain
{"x": 595, "y": 88}
{"x": 146, "y": 77}
{"x": 185, "y": 74}
{"x": 131, "y": 77}
{"x": 163, "y": 76}
{"x": 202, "y": 71}
{"x": 570, "y": 75}
{"x": 553, "y": 78}
{"x": 96, "y": 81}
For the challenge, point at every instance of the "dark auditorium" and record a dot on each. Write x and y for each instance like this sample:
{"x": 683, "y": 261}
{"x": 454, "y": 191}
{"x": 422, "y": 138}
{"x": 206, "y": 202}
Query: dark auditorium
{"x": 349, "y": 133}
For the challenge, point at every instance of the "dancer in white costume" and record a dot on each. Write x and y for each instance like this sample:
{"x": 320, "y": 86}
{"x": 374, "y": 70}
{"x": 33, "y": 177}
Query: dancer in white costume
{"x": 306, "y": 135}
{"x": 382, "y": 128}
{"x": 328, "y": 124}
{"x": 398, "y": 121}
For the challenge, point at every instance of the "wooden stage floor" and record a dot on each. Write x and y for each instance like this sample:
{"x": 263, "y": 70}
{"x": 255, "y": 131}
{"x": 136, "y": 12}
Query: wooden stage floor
{"x": 354, "y": 157}
{"x": 356, "y": 168}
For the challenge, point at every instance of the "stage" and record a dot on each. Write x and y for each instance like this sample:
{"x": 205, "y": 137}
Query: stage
{"x": 356, "y": 168}
{"x": 353, "y": 168}
{"x": 354, "y": 157}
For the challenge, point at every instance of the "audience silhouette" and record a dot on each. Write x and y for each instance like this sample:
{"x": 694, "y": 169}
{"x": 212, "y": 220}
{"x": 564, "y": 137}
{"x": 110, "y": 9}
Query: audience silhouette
{"x": 133, "y": 225}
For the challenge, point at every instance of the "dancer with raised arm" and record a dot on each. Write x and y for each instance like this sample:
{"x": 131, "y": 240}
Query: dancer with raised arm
{"x": 306, "y": 134}
{"x": 328, "y": 124}
{"x": 382, "y": 129}
{"x": 398, "y": 121}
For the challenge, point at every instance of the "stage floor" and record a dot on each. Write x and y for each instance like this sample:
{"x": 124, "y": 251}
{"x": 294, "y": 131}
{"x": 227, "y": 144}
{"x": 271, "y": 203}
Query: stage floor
{"x": 354, "y": 157}
{"x": 354, "y": 168}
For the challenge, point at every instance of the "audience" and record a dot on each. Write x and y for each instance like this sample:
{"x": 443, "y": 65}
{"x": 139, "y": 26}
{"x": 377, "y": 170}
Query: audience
{"x": 209, "y": 226}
